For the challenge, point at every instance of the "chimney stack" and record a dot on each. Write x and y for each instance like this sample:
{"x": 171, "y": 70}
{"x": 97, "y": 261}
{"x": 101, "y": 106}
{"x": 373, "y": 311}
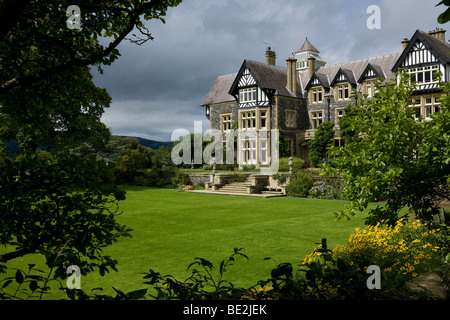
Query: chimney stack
{"x": 438, "y": 34}
{"x": 405, "y": 43}
{"x": 270, "y": 56}
{"x": 311, "y": 66}
{"x": 292, "y": 75}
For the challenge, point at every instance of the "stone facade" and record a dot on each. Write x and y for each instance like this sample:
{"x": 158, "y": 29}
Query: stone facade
{"x": 308, "y": 92}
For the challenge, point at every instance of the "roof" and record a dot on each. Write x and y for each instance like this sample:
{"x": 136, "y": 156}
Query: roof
{"x": 353, "y": 70}
{"x": 307, "y": 46}
{"x": 440, "y": 49}
{"x": 219, "y": 91}
{"x": 267, "y": 77}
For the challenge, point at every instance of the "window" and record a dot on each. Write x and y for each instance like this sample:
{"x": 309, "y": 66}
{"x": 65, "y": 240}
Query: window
{"x": 317, "y": 95}
{"x": 339, "y": 115}
{"x": 425, "y": 106}
{"x": 263, "y": 151}
{"x": 247, "y": 95}
{"x": 343, "y": 92}
{"x": 290, "y": 118}
{"x": 424, "y": 75}
{"x": 248, "y": 120}
{"x": 417, "y": 106}
{"x": 316, "y": 119}
{"x": 225, "y": 121}
{"x": 369, "y": 89}
{"x": 263, "y": 120}
{"x": 431, "y": 106}
{"x": 248, "y": 151}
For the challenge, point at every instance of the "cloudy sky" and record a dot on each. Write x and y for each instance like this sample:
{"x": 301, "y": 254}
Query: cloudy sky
{"x": 158, "y": 87}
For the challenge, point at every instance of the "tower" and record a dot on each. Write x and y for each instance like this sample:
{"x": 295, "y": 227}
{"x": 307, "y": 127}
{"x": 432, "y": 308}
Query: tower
{"x": 304, "y": 53}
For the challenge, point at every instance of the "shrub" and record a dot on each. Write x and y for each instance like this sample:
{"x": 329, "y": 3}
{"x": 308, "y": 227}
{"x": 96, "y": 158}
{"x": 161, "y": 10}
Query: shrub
{"x": 298, "y": 164}
{"x": 402, "y": 252}
{"x": 300, "y": 183}
{"x": 322, "y": 190}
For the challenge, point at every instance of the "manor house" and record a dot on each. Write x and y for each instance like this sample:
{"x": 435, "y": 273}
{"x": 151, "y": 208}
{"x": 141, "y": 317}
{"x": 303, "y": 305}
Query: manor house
{"x": 297, "y": 98}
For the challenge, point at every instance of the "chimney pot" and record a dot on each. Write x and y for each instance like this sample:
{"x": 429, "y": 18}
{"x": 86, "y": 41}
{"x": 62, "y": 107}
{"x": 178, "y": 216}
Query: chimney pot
{"x": 270, "y": 56}
{"x": 405, "y": 43}
{"x": 438, "y": 33}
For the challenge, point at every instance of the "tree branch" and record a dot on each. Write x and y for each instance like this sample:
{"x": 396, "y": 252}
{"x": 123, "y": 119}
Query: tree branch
{"x": 32, "y": 78}
{"x": 16, "y": 254}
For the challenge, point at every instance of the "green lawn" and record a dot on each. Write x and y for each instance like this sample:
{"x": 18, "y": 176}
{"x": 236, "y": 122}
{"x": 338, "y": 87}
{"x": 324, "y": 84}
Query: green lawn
{"x": 172, "y": 227}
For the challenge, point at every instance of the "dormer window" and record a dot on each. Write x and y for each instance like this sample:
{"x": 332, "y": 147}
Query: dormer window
{"x": 247, "y": 95}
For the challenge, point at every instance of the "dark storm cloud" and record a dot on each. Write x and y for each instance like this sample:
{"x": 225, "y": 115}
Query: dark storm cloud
{"x": 158, "y": 87}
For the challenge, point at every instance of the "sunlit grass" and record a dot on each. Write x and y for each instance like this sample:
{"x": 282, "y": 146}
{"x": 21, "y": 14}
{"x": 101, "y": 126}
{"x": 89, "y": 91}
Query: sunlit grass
{"x": 172, "y": 227}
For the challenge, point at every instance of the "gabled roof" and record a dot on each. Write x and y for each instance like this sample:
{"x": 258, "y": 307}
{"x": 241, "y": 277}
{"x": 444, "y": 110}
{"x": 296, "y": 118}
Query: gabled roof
{"x": 219, "y": 91}
{"x": 375, "y": 69}
{"x": 384, "y": 65}
{"x": 348, "y": 75}
{"x": 440, "y": 49}
{"x": 268, "y": 77}
{"x": 321, "y": 78}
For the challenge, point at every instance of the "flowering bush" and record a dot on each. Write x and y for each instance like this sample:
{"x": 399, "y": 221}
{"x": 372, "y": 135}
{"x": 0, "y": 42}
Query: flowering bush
{"x": 402, "y": 252}
{"x": 322, "y": 190}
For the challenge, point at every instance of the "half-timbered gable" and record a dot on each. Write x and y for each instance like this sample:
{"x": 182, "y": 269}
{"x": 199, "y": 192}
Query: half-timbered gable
{"x": 423, "y": 57}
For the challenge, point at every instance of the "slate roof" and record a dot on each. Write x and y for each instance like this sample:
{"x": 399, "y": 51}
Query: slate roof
{"x": 354, "y": 70}
{"x": 439, "y": 48}
{"x": 267, "y": 77}
{"x": 219, "y": 91}
{"x": 307, "y": 46}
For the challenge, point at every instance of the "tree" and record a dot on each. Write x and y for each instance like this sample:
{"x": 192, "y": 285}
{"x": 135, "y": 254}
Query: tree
{"x": 60, "y": 206}
{"x": 36, "y": 44}
{"x": 323, "y": 140}
{"x": 396, "y": 158}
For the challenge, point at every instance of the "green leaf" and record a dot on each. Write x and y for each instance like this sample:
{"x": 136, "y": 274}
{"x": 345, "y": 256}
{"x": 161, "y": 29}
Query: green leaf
{"x": 7, "y": 282}
{"x": 19, "y": 277}
{"x": 33, "y": 285}
{"x": 137, "y": 294}
{"x": 444, "y": 17}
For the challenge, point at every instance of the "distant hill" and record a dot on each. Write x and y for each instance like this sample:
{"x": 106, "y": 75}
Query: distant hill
{"x": 155, "y": 145}
{"x": 13, "y": 149}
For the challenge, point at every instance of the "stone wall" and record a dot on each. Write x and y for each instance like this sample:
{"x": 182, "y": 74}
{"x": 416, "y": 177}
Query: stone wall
{"x": 197, "y": 178}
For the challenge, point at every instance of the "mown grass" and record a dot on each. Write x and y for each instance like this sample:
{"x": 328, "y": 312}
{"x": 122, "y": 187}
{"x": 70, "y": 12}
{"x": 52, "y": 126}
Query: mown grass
{"x": 172, "y": 227}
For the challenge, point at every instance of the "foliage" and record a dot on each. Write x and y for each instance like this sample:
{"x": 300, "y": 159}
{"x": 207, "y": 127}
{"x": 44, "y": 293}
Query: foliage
{"x": 283, "y": 164}
{"x": 300, "y": 183}
{"x": 201, "y": 285}
{"x": 445, "y": 16}
{"x": 396, "y": 158}
{"x": 33, "y": 277}
{"x": 323, "y": 140}
{"x": 322, "y": 190}
{"x": 283, "y": 145}
{"x": 60, "y": 208}
{"x": 38, "y": 45}
{"x": 402, "y": 252}
{"x": 163, "y": 178}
